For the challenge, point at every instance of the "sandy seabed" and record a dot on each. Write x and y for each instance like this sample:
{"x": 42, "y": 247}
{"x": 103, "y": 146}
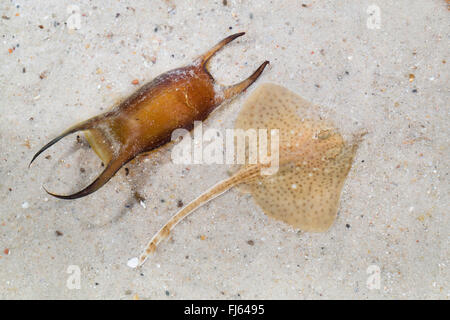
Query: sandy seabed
{"x": 382, "y": 64}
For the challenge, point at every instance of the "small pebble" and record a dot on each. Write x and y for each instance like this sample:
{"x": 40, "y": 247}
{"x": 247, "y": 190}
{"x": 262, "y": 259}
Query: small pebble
{"x": 133, "y": 262}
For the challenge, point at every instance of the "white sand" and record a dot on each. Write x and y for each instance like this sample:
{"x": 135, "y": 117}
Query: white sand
{"x": 393, "y": 211}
